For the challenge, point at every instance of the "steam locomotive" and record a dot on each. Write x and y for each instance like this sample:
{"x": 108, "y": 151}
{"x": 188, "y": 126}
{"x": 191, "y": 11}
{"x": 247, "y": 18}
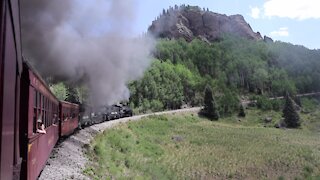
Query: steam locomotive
{"x": 105, "y": 113}
{"x": 25, "y": 98}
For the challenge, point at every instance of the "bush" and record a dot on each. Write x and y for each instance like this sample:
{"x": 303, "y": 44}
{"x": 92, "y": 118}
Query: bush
{"x": 309, "y": 104}
{"x": 277, "y": 104}
{"x": 264, "y": 103}
{"x": 228, "y": 103}
{"x": 241, "y": 111}
{"x": 156, "y": 105}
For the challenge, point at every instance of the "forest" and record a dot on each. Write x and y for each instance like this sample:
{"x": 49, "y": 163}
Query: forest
{"x": 235, "y": 68}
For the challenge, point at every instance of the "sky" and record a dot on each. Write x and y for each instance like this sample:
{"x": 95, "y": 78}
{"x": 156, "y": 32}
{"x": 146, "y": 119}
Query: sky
{"x": 293, "y": 21}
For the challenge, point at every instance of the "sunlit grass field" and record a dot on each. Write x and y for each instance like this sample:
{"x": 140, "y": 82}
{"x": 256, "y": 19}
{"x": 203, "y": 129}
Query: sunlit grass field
{"x": 189, "y": 147}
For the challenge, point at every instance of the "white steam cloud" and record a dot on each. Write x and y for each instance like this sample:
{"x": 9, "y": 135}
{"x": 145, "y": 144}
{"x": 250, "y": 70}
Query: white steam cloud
{"x": 283, "y": 31}
{"x": 86, "y": 41}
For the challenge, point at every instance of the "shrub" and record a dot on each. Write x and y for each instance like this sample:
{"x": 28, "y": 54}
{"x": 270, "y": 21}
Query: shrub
{"x": 277, "y": 104}
{"x": 264, "y": 103}
{"x": 228, "y": 103}
{"x": 241, "y": 111}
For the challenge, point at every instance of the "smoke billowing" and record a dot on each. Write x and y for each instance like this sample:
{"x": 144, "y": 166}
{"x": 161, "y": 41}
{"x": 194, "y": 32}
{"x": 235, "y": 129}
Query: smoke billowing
{"x": 86, "y": 41}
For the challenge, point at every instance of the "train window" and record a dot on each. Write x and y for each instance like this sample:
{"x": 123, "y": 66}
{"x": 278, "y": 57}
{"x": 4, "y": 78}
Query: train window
{"x": 35, "y": 109}
{"x": 45, "y": 118}
{"x": 37, "y": 117}
{"x": 38, "y": 99}
{"x": 50, "y": 112}
{"x": 34, "y": 98}
{"x": 46, "y": 110}
{"x": 34, "y": 120}
{"x": 42, "y": 102}
{"x": 42, "y": 117}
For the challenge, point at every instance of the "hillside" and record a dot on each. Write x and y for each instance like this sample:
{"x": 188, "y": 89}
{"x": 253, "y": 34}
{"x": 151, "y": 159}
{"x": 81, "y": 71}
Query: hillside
{"x": 189, "y": 147}
{"x": 191, "y": 22}
{"x": 236, "y": 68}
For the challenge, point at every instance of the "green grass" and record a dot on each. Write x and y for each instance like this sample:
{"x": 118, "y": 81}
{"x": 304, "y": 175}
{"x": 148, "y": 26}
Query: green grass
{"x": 189, "y": 147}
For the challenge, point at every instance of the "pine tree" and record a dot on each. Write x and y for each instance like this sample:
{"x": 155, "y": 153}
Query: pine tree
{"x": 210, "y": 107}
{"x": 291, "y": 116}
{"x": 241, "y": 111}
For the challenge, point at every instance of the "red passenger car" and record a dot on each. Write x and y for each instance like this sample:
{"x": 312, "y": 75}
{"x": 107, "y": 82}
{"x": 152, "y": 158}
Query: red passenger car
{"x": 10, "y": 70}
{"x": 69, "y": 116}
{"x": 25, "y": 99}
{"x": 37, "y": 102}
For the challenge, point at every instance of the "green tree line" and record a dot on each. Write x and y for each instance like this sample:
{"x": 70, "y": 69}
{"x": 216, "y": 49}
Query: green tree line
{"x": 232, "y": 67}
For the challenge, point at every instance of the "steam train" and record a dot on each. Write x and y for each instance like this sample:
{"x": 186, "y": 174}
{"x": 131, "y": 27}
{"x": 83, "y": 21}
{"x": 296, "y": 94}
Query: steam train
{"x": 25, "y": 98}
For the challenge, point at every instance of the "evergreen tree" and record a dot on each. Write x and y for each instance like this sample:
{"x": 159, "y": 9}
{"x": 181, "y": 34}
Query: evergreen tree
{"x": 72, "y": 95}
{"x": 241, "y": 111}
{"x": 291, "y": 116}
{"x": 210, "y": 107}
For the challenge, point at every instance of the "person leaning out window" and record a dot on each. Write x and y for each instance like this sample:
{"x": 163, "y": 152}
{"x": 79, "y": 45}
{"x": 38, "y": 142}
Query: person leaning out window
{"x": 40, "y": 128}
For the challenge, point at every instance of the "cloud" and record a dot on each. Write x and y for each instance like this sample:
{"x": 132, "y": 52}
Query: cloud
{"x": 281, "y": 32}
{"x": 255, "y": 12}
{"x": 293, "y": 9}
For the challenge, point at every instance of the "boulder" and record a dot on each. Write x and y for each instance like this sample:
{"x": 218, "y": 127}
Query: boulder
{"x": 268, "y": 119}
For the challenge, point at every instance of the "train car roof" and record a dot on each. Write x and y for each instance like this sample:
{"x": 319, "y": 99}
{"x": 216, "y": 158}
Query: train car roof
{"x": 36, "y": 73}
{"x": 66, "y": 102}
{"x": 27, "y": 65}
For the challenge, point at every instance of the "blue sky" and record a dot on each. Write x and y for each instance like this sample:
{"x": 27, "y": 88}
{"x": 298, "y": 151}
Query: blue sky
{"x": 294, "y": 21}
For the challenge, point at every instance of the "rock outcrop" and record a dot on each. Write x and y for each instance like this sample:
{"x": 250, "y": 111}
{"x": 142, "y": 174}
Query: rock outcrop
{"x": 191, "y": 22}
{"x": 267, "y": 39}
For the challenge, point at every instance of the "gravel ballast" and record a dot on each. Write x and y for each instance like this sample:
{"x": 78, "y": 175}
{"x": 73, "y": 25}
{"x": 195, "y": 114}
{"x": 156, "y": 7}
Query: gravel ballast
{"x": 68, "y": 158}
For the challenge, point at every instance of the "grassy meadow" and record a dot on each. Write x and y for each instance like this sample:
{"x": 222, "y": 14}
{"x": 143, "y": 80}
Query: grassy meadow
{"x": 186, "y": 146}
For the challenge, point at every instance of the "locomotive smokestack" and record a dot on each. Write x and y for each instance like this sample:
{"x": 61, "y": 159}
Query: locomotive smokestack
{"x": 86, "y": 41}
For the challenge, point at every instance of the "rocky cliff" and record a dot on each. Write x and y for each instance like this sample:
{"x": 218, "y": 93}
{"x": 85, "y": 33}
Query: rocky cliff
{"x": 191, "y": 22}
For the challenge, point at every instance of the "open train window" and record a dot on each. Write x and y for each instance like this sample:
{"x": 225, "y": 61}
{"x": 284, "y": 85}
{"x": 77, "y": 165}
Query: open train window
{"x": 50, "y": 112}
{"x": 42, "y": 102}
{"x": 35, "y": 98}
{"x": 42, "y": 116}
{"x": 46, "y": 111}
{"x": 38, "y": 99}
